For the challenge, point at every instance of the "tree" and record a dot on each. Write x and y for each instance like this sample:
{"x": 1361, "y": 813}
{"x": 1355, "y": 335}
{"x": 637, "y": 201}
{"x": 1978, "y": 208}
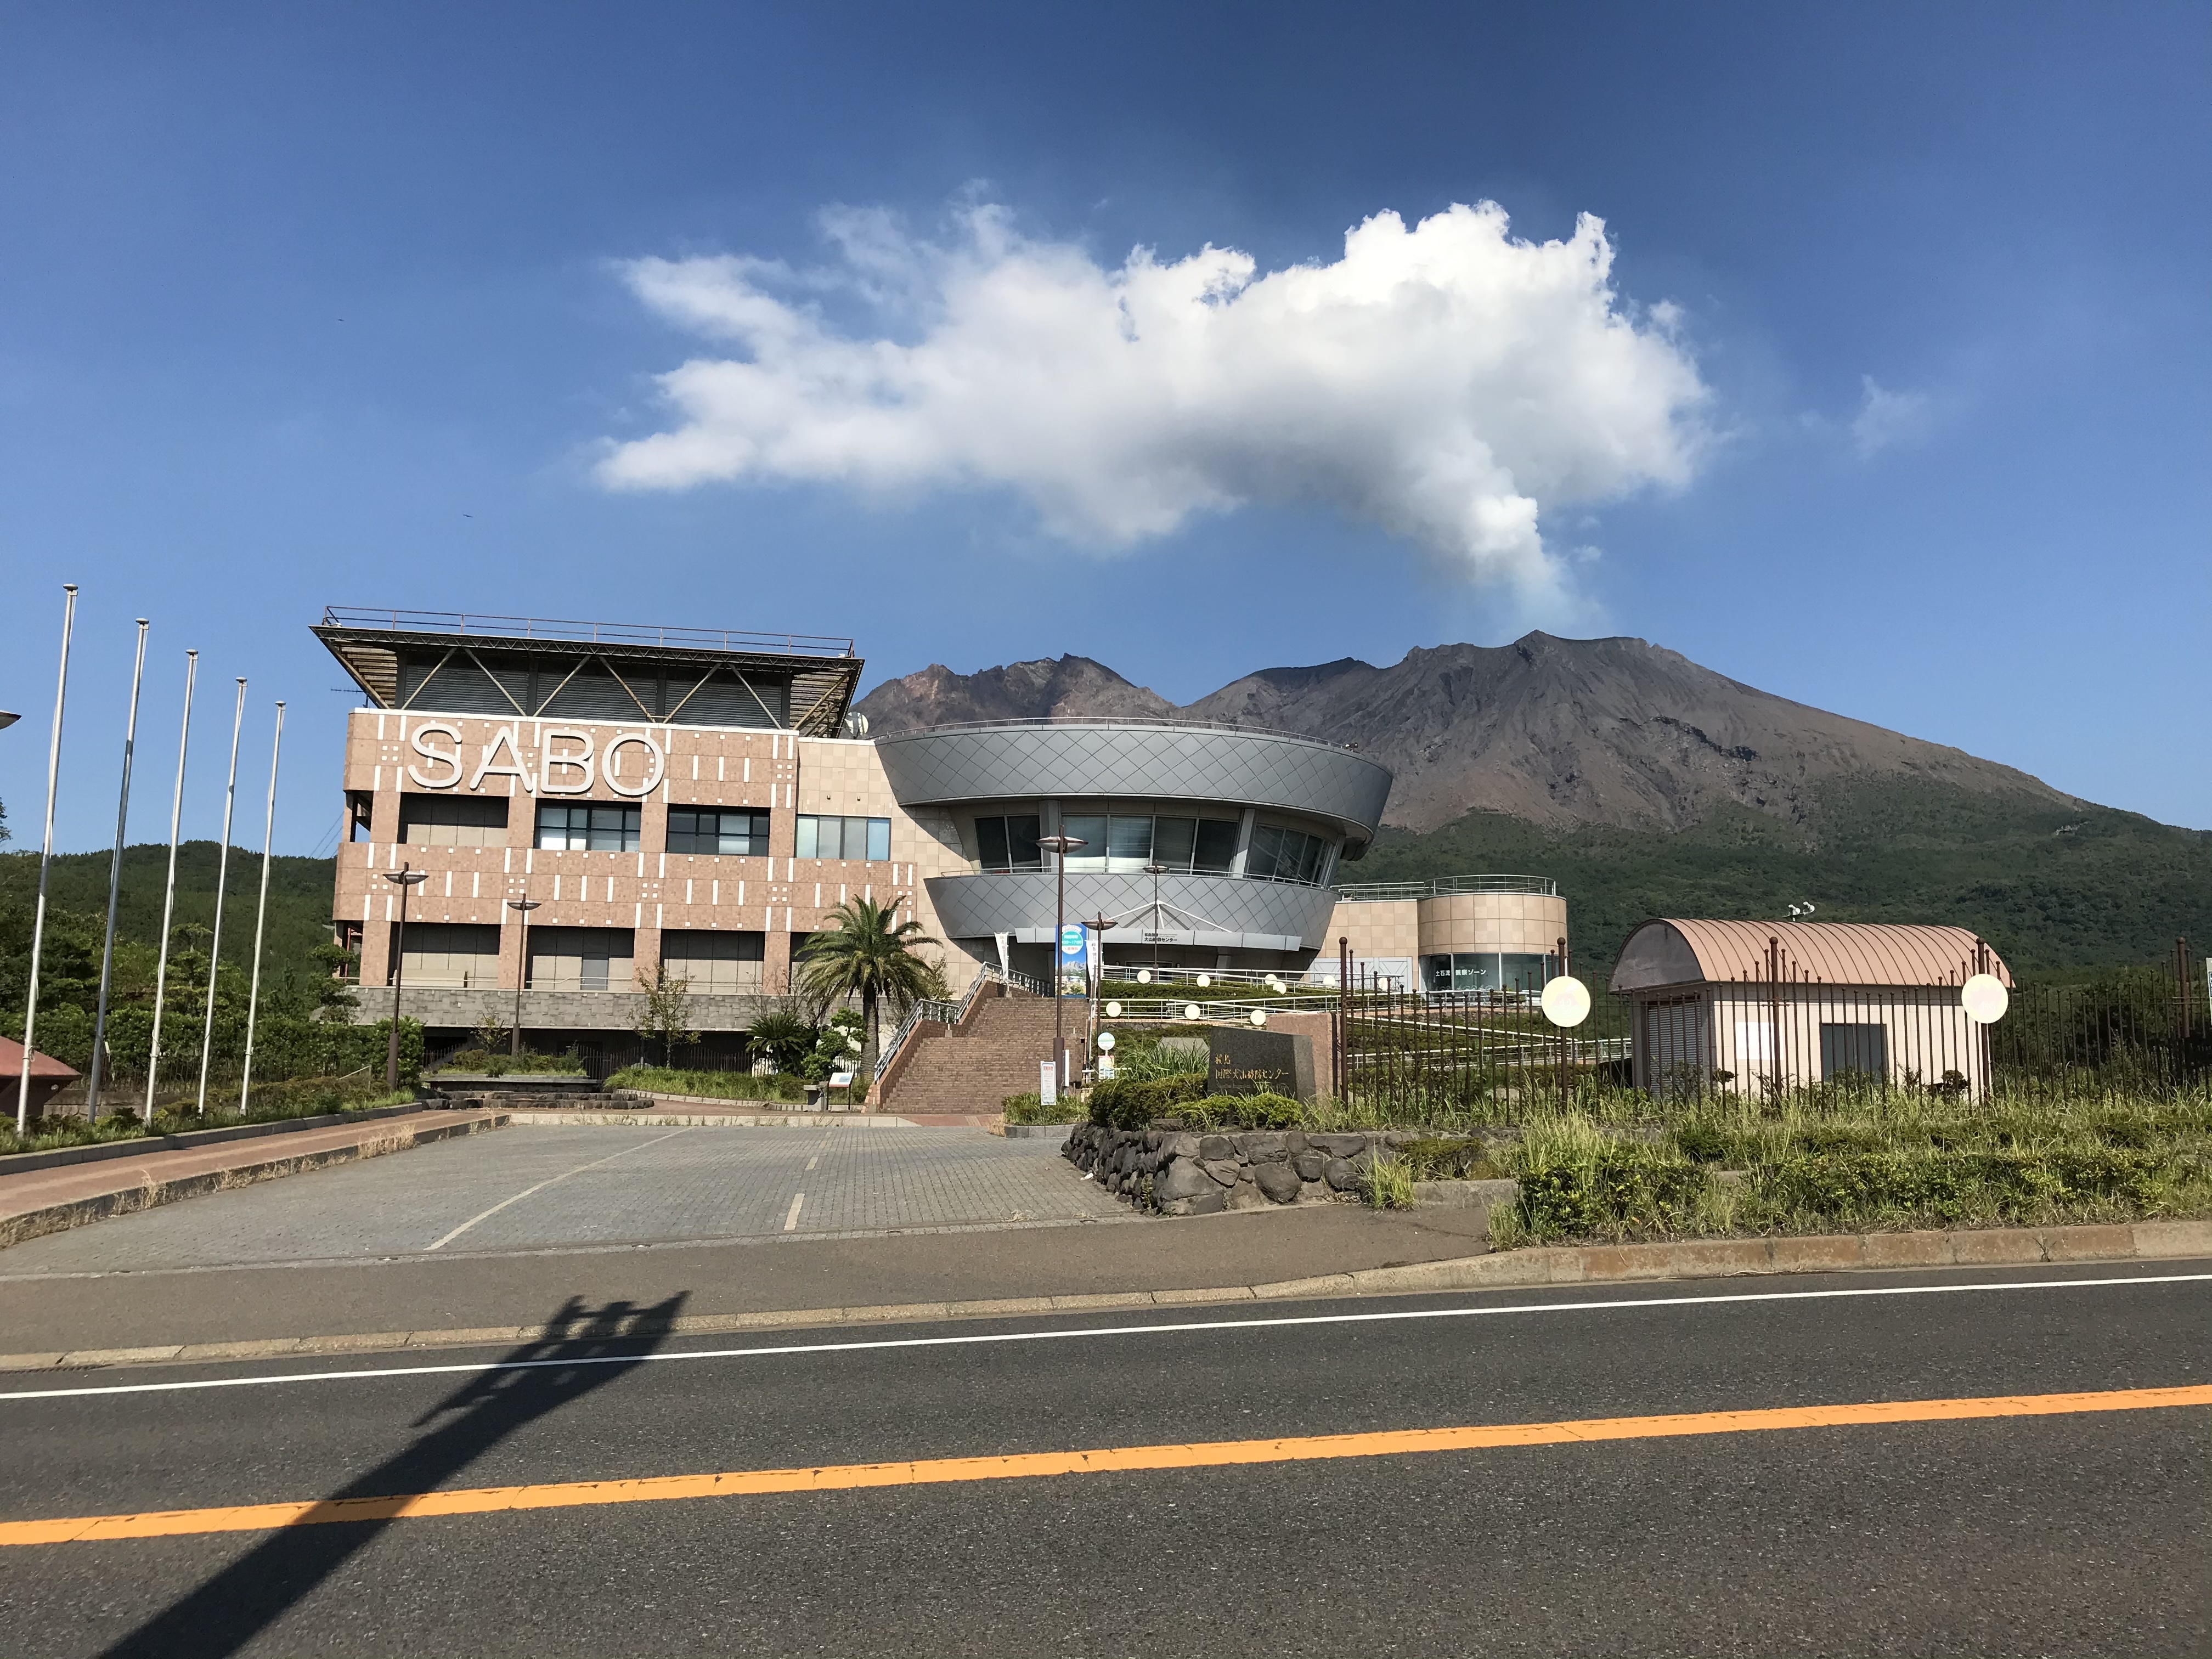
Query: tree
{"x": 870, "y": 955}
{"x": 662, "y": 1009}
{"x": 785, "y": 1038}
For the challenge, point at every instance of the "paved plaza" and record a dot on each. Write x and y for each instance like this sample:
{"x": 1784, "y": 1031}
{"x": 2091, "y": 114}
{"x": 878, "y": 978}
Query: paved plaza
{"x": 548, "y": 1188}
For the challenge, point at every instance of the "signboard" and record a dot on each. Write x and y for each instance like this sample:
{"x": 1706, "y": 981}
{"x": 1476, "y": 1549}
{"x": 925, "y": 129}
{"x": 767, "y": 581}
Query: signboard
{"x": 1241, "y": 1060}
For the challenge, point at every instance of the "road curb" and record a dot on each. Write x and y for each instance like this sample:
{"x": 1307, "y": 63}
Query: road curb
{"x": 145, "y": 1194}
{"x": 2143, "y": 1241}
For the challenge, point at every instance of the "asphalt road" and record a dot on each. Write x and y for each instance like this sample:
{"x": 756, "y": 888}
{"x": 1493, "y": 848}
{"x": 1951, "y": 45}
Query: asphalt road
{"x": 2078, "y": 1534}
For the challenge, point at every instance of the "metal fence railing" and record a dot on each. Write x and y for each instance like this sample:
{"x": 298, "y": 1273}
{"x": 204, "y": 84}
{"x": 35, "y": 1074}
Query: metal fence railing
{"x": 1444, "y": 886}
{"x": 2130, "y": 1033}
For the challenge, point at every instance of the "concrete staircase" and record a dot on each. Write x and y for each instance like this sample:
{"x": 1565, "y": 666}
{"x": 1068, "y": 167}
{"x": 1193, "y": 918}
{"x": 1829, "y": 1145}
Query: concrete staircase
{"x": 995, "y": 1054}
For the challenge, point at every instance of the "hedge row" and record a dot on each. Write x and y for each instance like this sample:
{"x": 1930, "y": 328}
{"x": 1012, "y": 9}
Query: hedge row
{"x": 1640, "y": 1192}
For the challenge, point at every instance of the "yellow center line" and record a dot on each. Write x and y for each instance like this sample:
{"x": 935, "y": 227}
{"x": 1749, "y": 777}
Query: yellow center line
{"x": 569, "y": 1494}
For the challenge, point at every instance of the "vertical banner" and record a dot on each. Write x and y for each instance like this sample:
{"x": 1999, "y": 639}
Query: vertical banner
{"x": 1074, "y": 972}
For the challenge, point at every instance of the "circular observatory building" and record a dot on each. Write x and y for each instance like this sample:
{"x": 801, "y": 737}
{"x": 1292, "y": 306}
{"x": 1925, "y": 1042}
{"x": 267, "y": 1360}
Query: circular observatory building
{"x": 1203, "y": 846}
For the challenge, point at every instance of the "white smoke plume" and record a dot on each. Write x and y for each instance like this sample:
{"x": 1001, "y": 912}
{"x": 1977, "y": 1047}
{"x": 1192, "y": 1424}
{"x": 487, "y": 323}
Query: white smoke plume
{"x": 1448, "y": 383}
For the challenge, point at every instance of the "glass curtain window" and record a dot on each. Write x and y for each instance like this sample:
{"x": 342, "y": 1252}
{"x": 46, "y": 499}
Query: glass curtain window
{"x": 1217, "y": 848}
{"x": 821, "y": 837}
{"x": 1280, "y": 854}
{"x": 1128, "y": 843}
{"x": 715, "y": 964}
{"x": 1173, "y": 840}
{"x": 452, "y": 820}
{"x": 1010, "y": 843}
{"x": 593, "y": 828}
{"x": 1090, "y": 830}
{"x": 463, "y": 954}
{"x": 726, "y": 835}
{"x": 581, "y": 959}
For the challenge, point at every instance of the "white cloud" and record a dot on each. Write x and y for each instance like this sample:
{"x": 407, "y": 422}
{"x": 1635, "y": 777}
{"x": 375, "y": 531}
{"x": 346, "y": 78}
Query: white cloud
{"x": 1447, "y": 382}
{"x": 1886, "y": 417}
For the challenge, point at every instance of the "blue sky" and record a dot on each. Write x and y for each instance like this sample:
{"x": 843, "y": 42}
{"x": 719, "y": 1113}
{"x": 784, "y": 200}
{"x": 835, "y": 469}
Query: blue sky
{"x": 310, "y": 305}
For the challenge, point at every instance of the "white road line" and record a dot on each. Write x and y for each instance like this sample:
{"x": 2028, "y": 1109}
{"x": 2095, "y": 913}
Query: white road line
{"x": 791, "y": 1216}
{"x": 1179, "y": 1329}
{"x": 542, "y": 1185}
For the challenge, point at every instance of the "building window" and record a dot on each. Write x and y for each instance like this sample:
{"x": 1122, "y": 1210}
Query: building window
{"x": 1009, "y": 843}
{"x": 729, "y": 835}
{"x": 857, "y": 839}
{"x": 581, "y": 959}
{"x": 593, "y": 827}
{"x": 452, "y": 820}
{"x": 1280, "y": 854}
{"x": 717, "y": 963}
{"x": 1864, "y": 1049}
{"x": 451, "y": 953}
{"x": 1126, "y": 842}
{"x": 1488, "y": 970}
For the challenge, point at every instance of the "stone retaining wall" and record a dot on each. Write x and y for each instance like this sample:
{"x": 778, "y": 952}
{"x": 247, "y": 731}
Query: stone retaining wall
{"x": 1190, "y": 1172}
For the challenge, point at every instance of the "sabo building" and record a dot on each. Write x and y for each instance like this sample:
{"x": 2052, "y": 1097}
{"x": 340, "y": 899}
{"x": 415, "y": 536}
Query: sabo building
{"x": 702, "y": 800}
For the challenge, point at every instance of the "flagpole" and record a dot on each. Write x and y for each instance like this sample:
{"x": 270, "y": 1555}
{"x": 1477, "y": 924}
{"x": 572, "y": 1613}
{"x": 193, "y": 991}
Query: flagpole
{"x": 261, "y": 912}
{"x": 115, "y": 882}
{"x": 221, "y": 875}
{"x": 169, "y": 890}
{"x": 46, "y": 863}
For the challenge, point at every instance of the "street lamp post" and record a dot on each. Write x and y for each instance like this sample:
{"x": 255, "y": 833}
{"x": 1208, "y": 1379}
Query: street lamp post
{"x": 521, "y": 971}
{"x": 406, "y": 879}
{"x": 1060, "y": 846}
{"x": 1155, "y": 870}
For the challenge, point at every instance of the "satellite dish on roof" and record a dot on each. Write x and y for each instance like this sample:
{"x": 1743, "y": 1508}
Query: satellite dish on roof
{"x": 1565, "y": 1001}
{"x": 1985, "y": 999}
{"x": 856, "y": 725}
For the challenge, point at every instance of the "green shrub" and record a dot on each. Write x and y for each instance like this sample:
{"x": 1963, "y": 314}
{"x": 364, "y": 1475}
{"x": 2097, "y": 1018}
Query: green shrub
{"x": 1947, "y": 1188}
{"x": 1261, "y": 1111}
{"x": 1125, "y": 1105}
{"x": 1624, "y": 1190}
{"x": 1030, "y": 1108}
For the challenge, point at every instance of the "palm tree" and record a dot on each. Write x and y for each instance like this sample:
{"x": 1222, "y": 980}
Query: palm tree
{"x": 868, "y": 954}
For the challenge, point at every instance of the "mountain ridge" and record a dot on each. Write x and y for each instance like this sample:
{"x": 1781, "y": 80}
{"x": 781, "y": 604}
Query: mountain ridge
{"x": 1563, "y": 733}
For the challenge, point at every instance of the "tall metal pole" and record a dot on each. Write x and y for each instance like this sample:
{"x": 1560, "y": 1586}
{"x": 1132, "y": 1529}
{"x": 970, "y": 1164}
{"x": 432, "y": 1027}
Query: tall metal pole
{"x": 115, "y": 881}
{"x": 261, "y": 911}
{"x": 406, "y": 875}
{"x": 169, "y": 889}
{"x": 1060, "y": 846}
{"x": 221, "y": 879}
{"x": 46, "y": 863}
{"x": 523, "y": 907}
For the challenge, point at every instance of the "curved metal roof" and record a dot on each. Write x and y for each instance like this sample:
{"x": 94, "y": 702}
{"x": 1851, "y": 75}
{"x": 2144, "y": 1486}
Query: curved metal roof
{"x": 1075, "y": 759}
{"x": 1674, "y": 952}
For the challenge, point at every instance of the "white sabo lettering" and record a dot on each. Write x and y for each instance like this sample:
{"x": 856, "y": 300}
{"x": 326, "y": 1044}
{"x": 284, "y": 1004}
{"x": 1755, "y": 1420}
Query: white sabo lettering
{"x": 611, "y": 767}
{"x": 502, "y": 739}
{"x": 448, "y": 757}
{"x": 579, "y": 761}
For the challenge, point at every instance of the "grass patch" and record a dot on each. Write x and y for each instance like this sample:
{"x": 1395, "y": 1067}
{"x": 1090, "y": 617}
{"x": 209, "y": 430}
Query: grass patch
{"x": 1876, "y": 1162}
{"x": 1386, "y": 1184}
{"x": 781, "y": 1087}
{"x": 481, "y": 1062}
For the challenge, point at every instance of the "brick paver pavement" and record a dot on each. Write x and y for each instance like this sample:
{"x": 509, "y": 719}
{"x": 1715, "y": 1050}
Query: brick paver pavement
{"x": 539, "y": 1189}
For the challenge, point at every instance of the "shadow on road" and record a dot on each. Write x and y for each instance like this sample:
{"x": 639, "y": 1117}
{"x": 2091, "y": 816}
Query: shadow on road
{"x": 229, "y": 1611}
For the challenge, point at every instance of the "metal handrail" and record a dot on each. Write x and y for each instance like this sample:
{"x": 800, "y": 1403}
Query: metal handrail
{"x": 1138, "y": 721}
{"x": 595, "y": 633}
{"x": 928, "y": 1008}
{"x": 1173, "y": 1010}
{"x": 1367, "y": 892}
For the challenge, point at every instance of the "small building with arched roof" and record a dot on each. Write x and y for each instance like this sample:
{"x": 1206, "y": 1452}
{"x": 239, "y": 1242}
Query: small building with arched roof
{"x": 1753, "y": 1005}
